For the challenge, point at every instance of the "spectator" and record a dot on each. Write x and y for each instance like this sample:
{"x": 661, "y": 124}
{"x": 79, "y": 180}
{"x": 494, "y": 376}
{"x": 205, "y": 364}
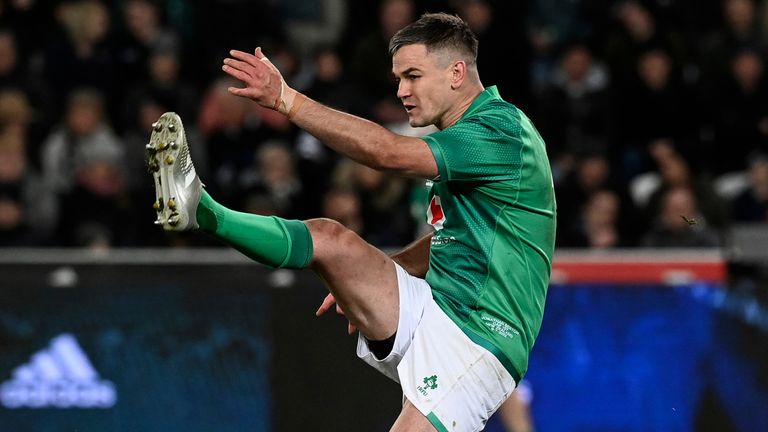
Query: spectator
{"x": 597, "y": 225}
{"x": 314, "y": 160}
{"x": 661, "y": 106}
{"x": 310, "y": 25}
{"x": 343, "y": 205}
{"x": 12, "y": 73}
{"x": 383, "y": 199}
{"x": 751, "y": 205}
{"x": 99, "y": 211}
{"x": 639, "y": 32}
{"x": 371, "y": 63}
{"x": 274, "y": 177}
{"x": 19, "y": 119}
{"x": 680, "y": 223}
{"x": 223, "y": 25}
{"x": 85, "y": 132}
{"x": 330, "y": 84}
{"x": 592, "y": 177}
{"x": 498, "y": 25}
{"x": 164, "y": 85}
{"x": 552, "y": 25}
{"x": 609, "y": 77}
{"x": 30, "y": 21}
{"x": 739, "y": 30}
{"x": 143, "y": 35}
{"x": 232, "y": 130}
{"x": 82, "y": 58}
{"x": 26, "y": 205}
{"x": 574, "y": 107}
{"x": 29, "y": 93}
{"x": 15, "y": 76}
{"x": 675, "y": 172}
{"x": 591, "y": 173}
{"x": 15, "y": 112}
{"x": 298, "y": 69}
{"x": 14, "y": 231}
{"x": 740, "y": 114}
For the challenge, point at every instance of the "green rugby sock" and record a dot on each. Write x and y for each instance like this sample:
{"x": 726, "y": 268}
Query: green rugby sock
{"x": 269, "y": 240}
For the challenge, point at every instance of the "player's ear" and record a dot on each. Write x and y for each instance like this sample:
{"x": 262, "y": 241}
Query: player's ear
{"x": 458, "y": 73}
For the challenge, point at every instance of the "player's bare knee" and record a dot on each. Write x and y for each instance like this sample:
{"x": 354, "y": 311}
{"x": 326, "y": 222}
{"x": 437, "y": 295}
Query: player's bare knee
{"x": 331, "y": 239}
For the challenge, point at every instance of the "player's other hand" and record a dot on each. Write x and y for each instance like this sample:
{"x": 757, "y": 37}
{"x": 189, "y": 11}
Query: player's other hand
{"x": 328, "y": 302}
{"x": 262, "y": 81}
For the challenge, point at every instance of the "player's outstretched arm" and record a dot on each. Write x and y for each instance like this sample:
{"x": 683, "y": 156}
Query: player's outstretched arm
{"x": 359, "y": 139}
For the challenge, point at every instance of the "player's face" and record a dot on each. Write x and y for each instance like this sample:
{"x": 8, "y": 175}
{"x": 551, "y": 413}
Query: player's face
{"x": 424, "y": 86}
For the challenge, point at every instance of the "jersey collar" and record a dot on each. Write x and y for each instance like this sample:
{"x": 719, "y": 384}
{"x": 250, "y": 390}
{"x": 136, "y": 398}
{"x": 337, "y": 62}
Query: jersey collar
{"x": 489, "y": 94}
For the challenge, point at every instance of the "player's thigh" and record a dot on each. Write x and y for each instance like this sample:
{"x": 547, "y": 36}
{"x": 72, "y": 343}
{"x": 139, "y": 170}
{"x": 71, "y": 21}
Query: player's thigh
{"x": 415, "y": 294}
{"x": 361, "y": 277}
{"x": 411, "y": 420}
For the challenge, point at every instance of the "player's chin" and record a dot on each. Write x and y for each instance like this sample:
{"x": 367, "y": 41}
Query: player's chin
{"x": 416, "y": 121}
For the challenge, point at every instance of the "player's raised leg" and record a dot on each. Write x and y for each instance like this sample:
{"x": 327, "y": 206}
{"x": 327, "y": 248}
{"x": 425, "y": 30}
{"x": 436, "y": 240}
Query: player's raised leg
{"x": 182, "y": 204}
{"x": 362, "y": 278}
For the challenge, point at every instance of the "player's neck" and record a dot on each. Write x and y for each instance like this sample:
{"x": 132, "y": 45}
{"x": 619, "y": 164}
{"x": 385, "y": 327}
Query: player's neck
{"x": 461, "y": 106}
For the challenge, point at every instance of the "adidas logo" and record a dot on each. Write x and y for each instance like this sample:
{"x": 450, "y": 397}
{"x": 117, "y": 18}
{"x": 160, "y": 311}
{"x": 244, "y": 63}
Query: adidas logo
{"x": 59, "y": 376}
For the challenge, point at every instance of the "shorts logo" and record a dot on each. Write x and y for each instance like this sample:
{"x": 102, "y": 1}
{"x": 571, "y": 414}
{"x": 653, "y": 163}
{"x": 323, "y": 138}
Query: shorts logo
{"x": 430, "y": 383}
{"x": 435, "y": 214}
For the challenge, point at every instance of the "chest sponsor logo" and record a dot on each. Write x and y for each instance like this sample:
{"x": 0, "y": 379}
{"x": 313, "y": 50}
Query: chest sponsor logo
{"x": 437, "y": 240}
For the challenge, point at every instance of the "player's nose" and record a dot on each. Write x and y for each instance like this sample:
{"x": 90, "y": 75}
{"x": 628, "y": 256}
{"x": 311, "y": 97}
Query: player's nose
{"x": 403, "y": 90}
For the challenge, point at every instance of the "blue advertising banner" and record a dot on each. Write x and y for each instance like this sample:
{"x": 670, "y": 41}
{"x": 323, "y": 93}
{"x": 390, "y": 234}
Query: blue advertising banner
{"x": 125, "y": 357}
{"x": 645, "y": 358}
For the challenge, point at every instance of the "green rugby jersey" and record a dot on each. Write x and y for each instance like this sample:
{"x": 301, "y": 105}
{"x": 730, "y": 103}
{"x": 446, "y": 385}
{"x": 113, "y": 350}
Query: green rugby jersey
{"x": 493, "y": 209}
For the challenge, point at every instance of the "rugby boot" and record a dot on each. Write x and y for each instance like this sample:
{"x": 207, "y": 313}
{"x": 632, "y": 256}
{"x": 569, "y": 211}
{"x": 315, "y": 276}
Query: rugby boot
{"x": 177, "y": 186}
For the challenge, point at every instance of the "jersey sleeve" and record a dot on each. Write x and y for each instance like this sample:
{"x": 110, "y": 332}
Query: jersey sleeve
{"x": 476, "y": 149}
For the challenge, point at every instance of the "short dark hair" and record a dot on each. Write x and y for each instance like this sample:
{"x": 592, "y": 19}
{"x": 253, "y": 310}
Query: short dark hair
{"x": 438, "y": 31}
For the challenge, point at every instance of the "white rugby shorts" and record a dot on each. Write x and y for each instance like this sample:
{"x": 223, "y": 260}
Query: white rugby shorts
{"x": 454, "y": 382}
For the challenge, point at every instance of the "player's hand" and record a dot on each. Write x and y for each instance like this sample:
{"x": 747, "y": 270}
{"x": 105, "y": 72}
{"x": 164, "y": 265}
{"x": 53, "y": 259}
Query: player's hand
{"x": 328, "y": 302}
{"x": 263, "y": 83}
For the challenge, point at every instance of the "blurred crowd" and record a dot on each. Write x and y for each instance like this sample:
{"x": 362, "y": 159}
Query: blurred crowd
{"x": 655, "y": 113}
